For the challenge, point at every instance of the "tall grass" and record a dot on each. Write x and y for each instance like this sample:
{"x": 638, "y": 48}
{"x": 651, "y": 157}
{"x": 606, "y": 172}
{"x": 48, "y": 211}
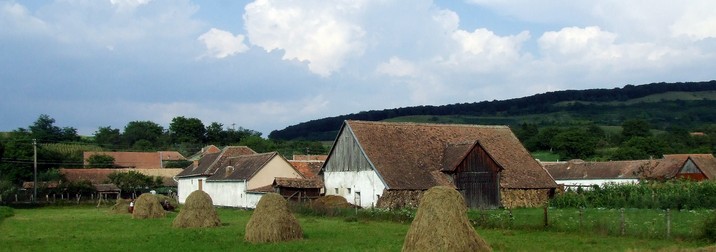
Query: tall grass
{"x": 641, "y": 223}
{"x": 648, "y": 195}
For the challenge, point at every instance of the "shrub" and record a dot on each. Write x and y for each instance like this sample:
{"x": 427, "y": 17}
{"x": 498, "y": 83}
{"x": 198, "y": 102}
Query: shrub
{"x": 708, "y": 229}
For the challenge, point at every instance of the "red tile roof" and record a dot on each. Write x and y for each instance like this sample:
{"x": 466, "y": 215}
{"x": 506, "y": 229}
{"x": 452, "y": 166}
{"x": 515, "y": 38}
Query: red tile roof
{"x": 309, "y": 169}
{"x": 209, "y": 163}
{"x": 242, "y": 167}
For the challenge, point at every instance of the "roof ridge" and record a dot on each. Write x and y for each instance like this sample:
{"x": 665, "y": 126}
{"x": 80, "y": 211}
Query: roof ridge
{"x": 432, "y": 124}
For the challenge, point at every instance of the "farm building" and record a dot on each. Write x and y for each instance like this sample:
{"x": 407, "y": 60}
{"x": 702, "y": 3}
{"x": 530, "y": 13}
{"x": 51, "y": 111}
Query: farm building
{"x": 235, "y": 177}
{"x": 139, "y": 160}
{"x": 390, "y": 165}
{"x": 98, "y": 176}
{"x": 298, "y": 189}
{"x": 194, "y": 176}
{"x": 578, "y": 173}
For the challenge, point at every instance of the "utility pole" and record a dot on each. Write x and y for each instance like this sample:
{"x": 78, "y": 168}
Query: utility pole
{"x": 34, "y": 164}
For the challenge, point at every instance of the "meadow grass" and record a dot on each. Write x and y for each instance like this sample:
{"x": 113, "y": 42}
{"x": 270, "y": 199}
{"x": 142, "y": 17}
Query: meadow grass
{"x": 95, "y": 229}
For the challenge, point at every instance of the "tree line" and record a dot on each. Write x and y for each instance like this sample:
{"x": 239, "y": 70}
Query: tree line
{"x": 62, "y": 147}
{"x": 324, "y": 129}
{"x": 634, "y": 140}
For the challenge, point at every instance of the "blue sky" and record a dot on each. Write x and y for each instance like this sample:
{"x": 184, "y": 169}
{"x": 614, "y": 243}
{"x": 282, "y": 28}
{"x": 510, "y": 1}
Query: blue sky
{"x": 267, "y": 64}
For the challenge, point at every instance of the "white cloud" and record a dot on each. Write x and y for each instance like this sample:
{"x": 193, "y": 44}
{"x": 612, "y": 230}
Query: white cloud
{"x": 221, "y": 44}
{"x": 697, "y": 22}
{"x": 574, "y": 40}
{"x": 397, "y": 67}
{"x": 492, "y": 47}
{"x": 319, "y": 32}
{"x": 125, "y": 5}
{"x": 15, "y": 18}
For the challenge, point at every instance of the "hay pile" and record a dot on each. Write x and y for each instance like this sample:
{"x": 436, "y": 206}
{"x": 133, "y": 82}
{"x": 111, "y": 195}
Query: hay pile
{"x": 331, "y": 201}
{"x": 147, "y": 206}
{"x": 121, "y": 207}
{"x": 272, "y": 221}
{"x": 441, "y": 224}
{"x": 172, "y": 202}
{"x": 197, "y": 212}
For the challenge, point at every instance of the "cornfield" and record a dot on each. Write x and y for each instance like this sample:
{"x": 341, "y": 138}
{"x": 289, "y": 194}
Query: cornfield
{"x": 646, "y": 195}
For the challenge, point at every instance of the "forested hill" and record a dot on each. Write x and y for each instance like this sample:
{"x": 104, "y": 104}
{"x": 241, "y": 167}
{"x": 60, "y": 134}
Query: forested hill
{"x": 662, "y": 104}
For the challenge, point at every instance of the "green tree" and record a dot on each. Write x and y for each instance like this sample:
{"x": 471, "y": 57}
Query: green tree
{"x": 574, "y": 143}
{"x": 629, "y": 153}
{"x": 132, "y": 181}
{"x": 635, "y": 128}
{"x": 543, "y": 139}
{"x": 187, "y": 130}
{"x": 108, "y": 137}
{"x": 653, "y": 147}
{"x": 100, "y": 161}
{"x": 44, "y": 130}
{"x": 215, "y": 133}
{"x": 258, "y": 144}
{"x": 142, "y": 130}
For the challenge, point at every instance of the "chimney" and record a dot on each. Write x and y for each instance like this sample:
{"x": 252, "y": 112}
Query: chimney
{"x": 196, "y": 163}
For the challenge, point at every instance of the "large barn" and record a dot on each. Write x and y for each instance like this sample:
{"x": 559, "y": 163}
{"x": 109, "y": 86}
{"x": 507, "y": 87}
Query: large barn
{"x": 389, "y": 165}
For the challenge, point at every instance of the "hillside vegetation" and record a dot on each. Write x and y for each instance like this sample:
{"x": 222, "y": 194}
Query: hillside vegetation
{"x": 663, "y": 105}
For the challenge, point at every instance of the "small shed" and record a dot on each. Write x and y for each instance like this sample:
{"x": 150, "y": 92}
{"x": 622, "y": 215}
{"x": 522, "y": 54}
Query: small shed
{"x": 298, "y": 189}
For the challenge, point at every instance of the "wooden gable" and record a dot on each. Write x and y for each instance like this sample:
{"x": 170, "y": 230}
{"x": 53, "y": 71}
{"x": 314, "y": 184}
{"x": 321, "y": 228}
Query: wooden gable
{"x": 476, "y": 175}
{"x": 347, "y": 154}
{"x": 691, "y": 171}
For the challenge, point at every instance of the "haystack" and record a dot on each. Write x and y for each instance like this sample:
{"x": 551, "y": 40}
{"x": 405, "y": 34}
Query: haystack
{"x": 331, "y": 201}
{"x": 121, "y": 207}
{"x": 272, "y": 221}
{"x": 441, "y": 224}
{"x": 147, "y": 206}
{"x": 197, "y": 212}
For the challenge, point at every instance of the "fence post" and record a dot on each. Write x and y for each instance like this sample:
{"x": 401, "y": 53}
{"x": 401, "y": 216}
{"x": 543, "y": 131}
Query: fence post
{"x": 546, "y": 220}
{"x": 623, "y": 224}
{"x": 668, "y": 223}
{"x": 581, "y": 213}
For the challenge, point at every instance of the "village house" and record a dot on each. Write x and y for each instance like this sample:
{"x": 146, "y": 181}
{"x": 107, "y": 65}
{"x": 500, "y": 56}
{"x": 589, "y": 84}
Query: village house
{"x": 390, "y": 165}
{"x": 235, "y": 177}
{"x": 194, "y": 176}
{"x": 575, "y": 174}
{"x": 139, "y": 160}
{"x": 241, "y": 181}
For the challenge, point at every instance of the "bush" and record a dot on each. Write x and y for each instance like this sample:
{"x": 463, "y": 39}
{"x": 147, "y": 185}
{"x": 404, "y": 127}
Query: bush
{"x": 708, "y": 229}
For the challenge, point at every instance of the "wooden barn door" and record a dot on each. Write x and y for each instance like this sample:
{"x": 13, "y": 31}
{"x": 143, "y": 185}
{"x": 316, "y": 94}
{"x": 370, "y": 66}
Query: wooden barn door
{"x": 477, "y": 179}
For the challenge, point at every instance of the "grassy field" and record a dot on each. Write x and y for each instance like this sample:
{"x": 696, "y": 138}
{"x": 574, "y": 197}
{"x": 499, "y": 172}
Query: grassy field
{"x": 92, "y": 229}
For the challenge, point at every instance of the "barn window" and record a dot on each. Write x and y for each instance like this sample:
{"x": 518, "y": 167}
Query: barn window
{"x": 349, "y": 190}
{"x": 336, "y": 190}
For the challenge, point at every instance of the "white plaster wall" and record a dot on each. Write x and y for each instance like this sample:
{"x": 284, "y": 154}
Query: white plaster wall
{"x": 186, "y": 186}
{"x": 587, "y": 183}
{"x": 252, "y": 199}
{"x": 366, "y": 182}
{"x": 230, "y": 194}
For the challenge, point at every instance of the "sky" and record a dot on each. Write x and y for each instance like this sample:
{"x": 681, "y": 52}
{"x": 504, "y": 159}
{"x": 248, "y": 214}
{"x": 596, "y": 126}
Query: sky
{"x": 267, "y": 64}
